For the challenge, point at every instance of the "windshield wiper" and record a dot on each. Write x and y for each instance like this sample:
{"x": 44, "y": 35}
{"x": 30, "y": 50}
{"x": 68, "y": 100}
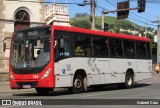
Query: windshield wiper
{"x": 27, "y": 69}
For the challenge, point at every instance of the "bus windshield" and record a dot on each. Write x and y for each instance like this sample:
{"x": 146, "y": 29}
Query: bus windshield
{"x": 31, "y": 48}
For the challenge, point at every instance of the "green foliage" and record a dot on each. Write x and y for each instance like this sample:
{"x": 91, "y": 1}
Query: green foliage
{"x": 81, "y": 24}
{"x": 113, "y": 23}
{"x": 154, "y": 45}
{"x": 80, "y": 15}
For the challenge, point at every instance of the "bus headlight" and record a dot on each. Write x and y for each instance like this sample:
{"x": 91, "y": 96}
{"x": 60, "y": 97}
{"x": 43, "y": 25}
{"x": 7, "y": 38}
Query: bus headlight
{"x": 46, "y": 73}
{"x": 11, "y": 76}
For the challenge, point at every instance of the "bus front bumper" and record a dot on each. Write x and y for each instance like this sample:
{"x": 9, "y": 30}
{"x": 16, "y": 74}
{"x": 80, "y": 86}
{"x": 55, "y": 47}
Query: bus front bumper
{"x": 25, "y": 84}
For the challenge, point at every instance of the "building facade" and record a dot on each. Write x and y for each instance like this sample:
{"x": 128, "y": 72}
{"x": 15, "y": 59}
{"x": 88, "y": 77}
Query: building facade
{"x": 15, "y": 15}
{"x": 57, "y": 14}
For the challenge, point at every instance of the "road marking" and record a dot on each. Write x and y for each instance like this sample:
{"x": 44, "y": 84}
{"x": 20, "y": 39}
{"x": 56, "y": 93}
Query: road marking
{"x": 93, "y": 95}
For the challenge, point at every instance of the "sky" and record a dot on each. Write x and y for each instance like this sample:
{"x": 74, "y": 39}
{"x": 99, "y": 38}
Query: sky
{"x": 152, "y": 10}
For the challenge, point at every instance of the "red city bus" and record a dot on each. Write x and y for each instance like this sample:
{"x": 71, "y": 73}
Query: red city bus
{"x": 48, "y": 57}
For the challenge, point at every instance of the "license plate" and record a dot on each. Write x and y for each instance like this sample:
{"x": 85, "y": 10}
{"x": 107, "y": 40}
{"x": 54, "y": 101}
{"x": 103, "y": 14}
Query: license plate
{"x": 26, "y": 86}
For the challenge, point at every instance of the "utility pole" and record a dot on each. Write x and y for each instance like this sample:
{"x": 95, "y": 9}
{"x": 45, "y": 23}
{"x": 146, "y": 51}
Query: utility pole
{"x": 145, "y": 30}
{"x": 92, "y": 14}
{"x": 158, "y": 42}
{"x": 93, "y": 6}
{"x": 102, "y": 19}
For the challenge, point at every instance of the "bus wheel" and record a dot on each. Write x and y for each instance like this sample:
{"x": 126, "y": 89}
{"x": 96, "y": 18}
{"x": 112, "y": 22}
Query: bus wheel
{"x": 42, "y": 91}
{"x": 78, "y": 85}
{"x": 129, "y": 81}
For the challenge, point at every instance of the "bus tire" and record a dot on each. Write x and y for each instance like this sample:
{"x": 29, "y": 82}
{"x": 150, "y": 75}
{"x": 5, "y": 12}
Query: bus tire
{"x": 78, "y": 85}
{"x": 42, "y": 91}
{"x": 129, "y": 81}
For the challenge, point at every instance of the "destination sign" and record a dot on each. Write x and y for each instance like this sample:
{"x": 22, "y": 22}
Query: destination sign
{"x": 31, "y": 33}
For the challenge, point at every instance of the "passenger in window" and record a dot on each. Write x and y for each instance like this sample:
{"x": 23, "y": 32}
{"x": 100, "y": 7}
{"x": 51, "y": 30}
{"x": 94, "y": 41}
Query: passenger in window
{"x": 78, "y": 51}
{"x": 115, "y": 51}
{"x": 86, "y": 51}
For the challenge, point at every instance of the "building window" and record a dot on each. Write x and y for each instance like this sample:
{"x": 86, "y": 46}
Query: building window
{"x": 22, "y": 15}
{"x": 22, "y": 20}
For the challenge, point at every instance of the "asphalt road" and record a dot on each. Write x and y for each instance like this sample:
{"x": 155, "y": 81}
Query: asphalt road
{"x": 147, "y": 89}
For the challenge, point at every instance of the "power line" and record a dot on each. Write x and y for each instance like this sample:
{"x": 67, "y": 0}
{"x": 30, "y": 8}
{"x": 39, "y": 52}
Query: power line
{"x": 133, "y": 16}
{"x": 139, "y": 16}
{"x": 42, "y": 2}
{"x": 142, "y": 22}
{"x": 145, "y": 15}
{"x": 134, "y": 19}
{"x": 110, "y": 3}
{"x": 152, "y": 1}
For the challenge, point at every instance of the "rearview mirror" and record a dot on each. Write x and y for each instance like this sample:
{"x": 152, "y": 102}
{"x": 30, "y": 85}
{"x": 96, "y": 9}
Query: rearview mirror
{"x": 4, "y": 45}
{"x": 55, "y": 43}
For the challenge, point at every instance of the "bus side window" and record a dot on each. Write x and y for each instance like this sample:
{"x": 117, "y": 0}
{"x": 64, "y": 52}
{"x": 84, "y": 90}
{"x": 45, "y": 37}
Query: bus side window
{"x": 115, "y": 48}
{"x": 66, "y": 48}
{"x": 86, "y": 51}
{"x": 128, "y": 47}
{"x": 78, "y": 50}
{"x": 82, "y": 45}
{"x": 141, "y": 49}
{"x": 100, "y": 46}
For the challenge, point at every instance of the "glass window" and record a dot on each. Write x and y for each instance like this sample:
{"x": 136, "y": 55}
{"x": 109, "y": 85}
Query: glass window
{"x": 30, "y": 53}
{"x": 65, "y": 51}
{"x": 115, "y": 48}
{"x": 82, "y": 45}
{"x": 141, "y": 49}
{"x": 62, "y": 45}
{"x": 31, "y": 48}
{"x": 100, "y": 46}
{"x": 129, "y": 50}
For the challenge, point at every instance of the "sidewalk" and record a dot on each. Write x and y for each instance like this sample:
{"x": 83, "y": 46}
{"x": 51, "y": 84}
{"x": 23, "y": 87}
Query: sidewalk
{"x": 5, "y": 88}
{"x": 4, "y": 76}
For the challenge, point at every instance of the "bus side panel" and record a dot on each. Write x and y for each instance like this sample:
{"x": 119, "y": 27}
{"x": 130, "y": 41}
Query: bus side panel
{"x": 100, "y": 71}
{"x": 89, "y": 66}
{"x": 63, "y": 73}
{"x": 128, "y": 64}
{"x": 118, "y": 68}
{"x": 65, "y": 70}
{"x": 63, "y": 80}
{"x": 144, "y": 69}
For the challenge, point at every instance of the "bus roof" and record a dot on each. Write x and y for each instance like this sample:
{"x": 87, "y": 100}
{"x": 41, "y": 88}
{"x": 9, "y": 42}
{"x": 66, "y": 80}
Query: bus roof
{"x": 100, "y": 33}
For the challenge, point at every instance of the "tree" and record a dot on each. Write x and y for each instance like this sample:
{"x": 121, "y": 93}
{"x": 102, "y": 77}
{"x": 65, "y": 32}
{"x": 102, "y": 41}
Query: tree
{"x": 81, "y": 24}
{"x": 81, "y": 15}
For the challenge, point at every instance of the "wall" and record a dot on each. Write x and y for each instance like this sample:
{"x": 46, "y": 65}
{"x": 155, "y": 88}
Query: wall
{"x": 8, "y": 9}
